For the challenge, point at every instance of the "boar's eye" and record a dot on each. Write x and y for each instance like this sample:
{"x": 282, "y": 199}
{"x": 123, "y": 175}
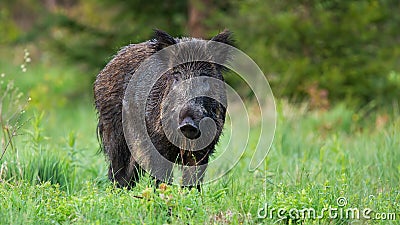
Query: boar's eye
{"x": 177, "y": 75}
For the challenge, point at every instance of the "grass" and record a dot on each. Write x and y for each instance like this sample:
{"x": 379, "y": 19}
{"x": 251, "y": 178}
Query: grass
{"x": 320, "y": 160}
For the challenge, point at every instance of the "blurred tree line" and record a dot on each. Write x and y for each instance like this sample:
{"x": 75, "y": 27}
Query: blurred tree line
{"x": 321, "y": 50}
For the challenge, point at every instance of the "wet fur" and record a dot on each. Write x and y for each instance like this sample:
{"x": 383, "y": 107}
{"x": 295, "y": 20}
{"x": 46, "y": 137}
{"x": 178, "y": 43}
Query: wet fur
{"x": 109, "y": 89}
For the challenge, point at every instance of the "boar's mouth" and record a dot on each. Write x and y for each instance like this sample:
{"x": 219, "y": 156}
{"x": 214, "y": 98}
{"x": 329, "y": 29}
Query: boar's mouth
{"x": 189, "y": 129}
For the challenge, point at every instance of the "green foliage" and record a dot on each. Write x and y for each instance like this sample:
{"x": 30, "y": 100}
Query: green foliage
{"x": 10, "y": 31}
{"x": 316, "y": 159}
{"x": 92, "y": 31}
{"x": 39, "y": 164}
{"x": 12, "y": 109}
{"x": 51, "y": 172}
{"x": 47, "y": 86}
{"x": 349, "y": 48}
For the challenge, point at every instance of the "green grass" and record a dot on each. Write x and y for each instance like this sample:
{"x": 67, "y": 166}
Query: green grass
{"x": 54, "y": 175}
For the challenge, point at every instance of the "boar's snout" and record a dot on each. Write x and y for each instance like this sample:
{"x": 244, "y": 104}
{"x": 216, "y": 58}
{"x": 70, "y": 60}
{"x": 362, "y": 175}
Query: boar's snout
{"x": 189, "y": 128}
{"x": 189, "y": 119}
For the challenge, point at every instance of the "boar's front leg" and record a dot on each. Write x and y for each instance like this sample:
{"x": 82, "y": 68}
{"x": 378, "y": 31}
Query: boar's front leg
{"x": 195, "y": 164}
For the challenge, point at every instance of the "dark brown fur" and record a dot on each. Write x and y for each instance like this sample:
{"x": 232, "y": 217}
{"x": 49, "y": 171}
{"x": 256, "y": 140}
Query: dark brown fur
{"x": 109, "y": 89}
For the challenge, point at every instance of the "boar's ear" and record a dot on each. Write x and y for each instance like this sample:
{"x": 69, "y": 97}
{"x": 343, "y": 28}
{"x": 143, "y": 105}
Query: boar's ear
{"x": 162, "y": 39}
{"x": 222, "y": 54}
{"x": 224, "y": 37}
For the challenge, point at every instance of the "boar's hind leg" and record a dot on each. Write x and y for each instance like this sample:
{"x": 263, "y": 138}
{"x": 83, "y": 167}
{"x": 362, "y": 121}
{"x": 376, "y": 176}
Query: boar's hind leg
{"x": 126, "y": 174}
{"x": 123, "y": 169}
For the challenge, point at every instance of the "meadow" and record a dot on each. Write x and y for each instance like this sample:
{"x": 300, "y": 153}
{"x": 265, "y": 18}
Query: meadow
{"x": 324, "y": 166}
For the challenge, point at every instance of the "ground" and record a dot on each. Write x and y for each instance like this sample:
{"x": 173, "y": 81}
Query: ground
{"x": 324, "y": 167}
